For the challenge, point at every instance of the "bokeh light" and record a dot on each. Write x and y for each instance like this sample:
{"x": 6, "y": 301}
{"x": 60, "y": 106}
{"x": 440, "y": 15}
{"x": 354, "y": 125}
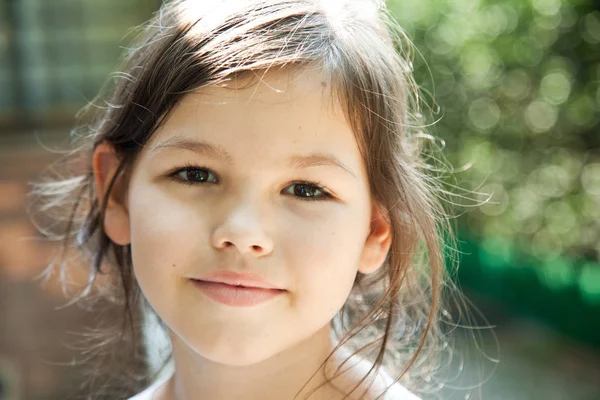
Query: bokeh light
{"x": 518, "y": 84}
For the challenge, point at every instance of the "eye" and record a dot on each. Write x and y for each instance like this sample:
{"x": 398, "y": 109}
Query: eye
{"x": 304, "y": 190}
{"x": 191, "y": 175}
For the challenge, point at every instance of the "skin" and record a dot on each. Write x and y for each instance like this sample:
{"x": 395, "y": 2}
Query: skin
{"x": 248, "y": 217}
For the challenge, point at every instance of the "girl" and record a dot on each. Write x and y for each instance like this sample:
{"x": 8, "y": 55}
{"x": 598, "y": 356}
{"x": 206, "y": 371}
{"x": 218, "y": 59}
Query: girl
{"x": 256, "y": 181}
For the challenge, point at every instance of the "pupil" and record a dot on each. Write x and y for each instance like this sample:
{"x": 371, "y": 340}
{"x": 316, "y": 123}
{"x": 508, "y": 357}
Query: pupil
{"x": 196, "y": 174}
{"x": 304, "y": 190}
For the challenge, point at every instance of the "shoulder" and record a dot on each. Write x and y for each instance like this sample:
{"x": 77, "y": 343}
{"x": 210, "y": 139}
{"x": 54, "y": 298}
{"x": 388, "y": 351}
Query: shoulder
{"x": 399, "y": 392}
{"x": 382, "y": 387}
{"x": 396, "y": 391}
{"x": 150, "y": 392}
{"x": 147, "y": 394}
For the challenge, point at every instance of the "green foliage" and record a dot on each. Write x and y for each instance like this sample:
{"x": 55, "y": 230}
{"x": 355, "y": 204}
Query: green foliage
{"x": 518, "y": 85}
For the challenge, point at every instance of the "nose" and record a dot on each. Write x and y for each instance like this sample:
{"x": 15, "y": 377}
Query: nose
{"x": 242, "y": 228}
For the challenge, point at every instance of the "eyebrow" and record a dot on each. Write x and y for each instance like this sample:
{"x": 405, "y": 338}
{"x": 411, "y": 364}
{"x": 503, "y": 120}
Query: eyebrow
{"x": 213, "y": 151}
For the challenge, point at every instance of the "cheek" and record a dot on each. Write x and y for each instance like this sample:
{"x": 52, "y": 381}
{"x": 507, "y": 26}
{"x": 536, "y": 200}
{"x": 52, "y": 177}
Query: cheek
{"x": 163, "y": 235}
{"x": 325, "y": 259}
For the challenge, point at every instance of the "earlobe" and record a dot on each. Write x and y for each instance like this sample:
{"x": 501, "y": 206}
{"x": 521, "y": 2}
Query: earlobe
{"x": 378, "y": 242}
{"x": 105, "y": 163}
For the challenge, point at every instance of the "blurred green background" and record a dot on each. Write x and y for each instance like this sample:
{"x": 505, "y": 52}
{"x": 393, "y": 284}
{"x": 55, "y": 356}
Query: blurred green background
{"x": 518, "y": 87}
{"x": 514, "y": 88}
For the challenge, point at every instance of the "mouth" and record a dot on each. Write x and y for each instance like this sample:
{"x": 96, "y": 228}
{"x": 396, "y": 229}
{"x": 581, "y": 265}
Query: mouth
{"x": 244, "y": 280}
{"x": 236, "y": 295}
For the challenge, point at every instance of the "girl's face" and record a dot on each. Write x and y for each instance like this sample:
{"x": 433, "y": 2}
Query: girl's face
{"x": 241, "y": 206}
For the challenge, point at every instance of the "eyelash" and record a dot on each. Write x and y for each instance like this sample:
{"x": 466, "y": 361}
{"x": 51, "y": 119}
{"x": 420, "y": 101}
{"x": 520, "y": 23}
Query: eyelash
{"x": 326, "y": 196}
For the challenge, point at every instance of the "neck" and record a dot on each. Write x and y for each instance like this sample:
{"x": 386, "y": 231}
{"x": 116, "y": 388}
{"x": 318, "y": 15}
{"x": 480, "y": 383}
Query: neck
{"x": 283, "y": 376}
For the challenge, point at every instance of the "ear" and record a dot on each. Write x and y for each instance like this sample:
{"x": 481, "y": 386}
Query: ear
{"x": 377, "y": 244}
{"x": 116, "y": 218}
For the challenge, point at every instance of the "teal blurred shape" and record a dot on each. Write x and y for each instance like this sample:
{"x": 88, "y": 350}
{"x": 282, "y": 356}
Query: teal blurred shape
{"x": 563, "y": 293}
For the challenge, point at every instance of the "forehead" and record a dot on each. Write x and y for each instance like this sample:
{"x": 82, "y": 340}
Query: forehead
{"x": 268, "y": 115}
{"x": 270, "y": 87}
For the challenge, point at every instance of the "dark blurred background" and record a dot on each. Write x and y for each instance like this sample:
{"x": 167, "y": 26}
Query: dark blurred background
{"x": 517, "y": 84}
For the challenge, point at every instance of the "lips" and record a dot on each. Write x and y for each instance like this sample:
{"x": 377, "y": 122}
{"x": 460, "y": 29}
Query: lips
{"x": 232, "y": 278}
{"x": 236, "y": 295}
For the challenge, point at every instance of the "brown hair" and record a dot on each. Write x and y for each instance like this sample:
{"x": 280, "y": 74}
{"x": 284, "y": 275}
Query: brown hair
{"x": 367, "y": 58}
